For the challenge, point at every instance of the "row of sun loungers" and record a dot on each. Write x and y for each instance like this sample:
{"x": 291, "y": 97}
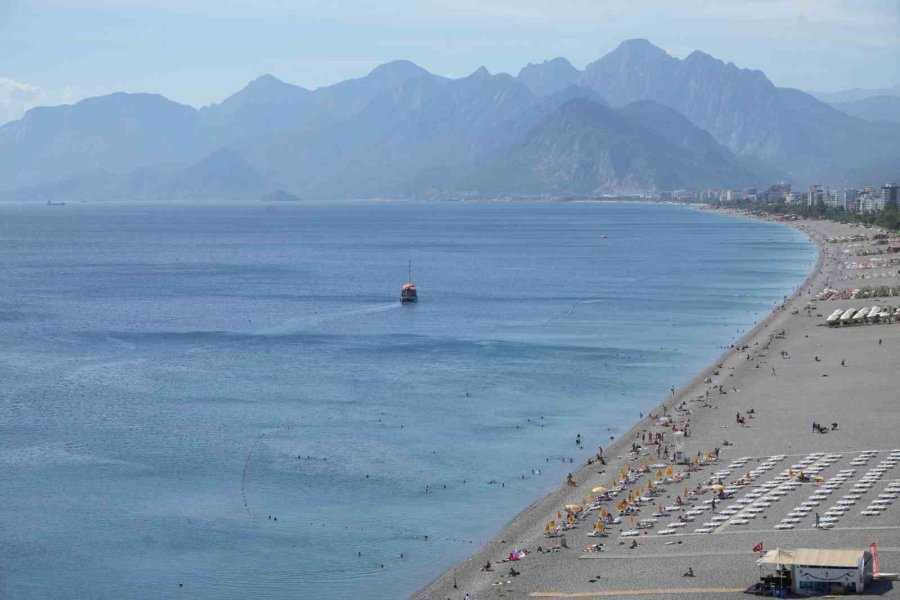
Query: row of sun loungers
{"x": 865, "y": 315}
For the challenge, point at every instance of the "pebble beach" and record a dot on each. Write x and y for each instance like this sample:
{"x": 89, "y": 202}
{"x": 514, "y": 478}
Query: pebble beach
{"x": 789, "y": 372}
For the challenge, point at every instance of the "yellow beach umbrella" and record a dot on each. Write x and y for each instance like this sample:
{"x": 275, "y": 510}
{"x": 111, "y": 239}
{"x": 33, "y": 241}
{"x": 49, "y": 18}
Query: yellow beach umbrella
{"x": 658, "y": 473}
{"x": 598, "y": 526}
{"x": 669, "y": 471}
{"x": 599, "y": 489}
{"x": 650, "y": 485}
{"x": 717, "y": 486}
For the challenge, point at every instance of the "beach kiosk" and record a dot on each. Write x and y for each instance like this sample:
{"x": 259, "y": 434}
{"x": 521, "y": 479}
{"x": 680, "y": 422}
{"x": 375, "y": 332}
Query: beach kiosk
{"x": 812, "y": 571}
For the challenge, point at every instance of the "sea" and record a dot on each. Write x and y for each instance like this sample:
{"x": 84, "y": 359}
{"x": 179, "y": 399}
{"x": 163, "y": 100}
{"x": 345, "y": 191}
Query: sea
{"x": 228, "y": 401}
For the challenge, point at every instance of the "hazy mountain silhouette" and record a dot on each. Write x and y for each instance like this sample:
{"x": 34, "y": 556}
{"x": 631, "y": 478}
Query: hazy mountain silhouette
{"x": 115, "y": 133}
{"x": 873, "y": 108}
{"x": 549, "y": 77}
{"x": 743, "y": 110}
{"x": 587, "y": 148}
{"x": 401, "y": 130}
{"x": 856, "y": 94}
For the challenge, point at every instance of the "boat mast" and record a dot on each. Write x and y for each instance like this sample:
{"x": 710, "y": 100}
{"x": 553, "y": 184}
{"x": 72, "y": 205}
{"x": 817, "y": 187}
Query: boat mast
{"x": 409, "y": 272}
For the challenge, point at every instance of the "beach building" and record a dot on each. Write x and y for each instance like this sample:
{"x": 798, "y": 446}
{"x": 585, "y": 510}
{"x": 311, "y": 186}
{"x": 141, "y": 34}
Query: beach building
{"x": 778, "y": 192}
{"x": 890, "y": 194}
{"x": 848, "y": 199}
{"x": 815, "y": 571}
{"x": 816, "y": 194}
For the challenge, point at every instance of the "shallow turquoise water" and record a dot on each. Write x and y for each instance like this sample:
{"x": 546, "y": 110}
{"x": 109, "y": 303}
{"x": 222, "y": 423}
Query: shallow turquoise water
{"x": 173, "y": 375}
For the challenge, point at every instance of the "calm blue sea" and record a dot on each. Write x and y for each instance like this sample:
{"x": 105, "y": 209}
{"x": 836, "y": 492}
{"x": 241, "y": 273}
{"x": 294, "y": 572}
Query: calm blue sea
{"x": 172, "y": 375}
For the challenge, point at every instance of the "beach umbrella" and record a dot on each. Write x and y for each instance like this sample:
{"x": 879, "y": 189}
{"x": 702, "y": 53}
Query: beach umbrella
{"x": 669, "y": 471}
{"x": 658, "y": 473}
{"x": 599, "y": 489}
{"x": 558, "y": 515}
{"x": 603, "y": 512}
{"x": 572, "y": 507}
{"x": 717, "y": 486}
{"x": 598, "y": 526}
{"x": 790, "y": 472}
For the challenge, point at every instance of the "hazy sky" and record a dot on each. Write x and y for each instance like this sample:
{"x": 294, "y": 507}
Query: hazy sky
{"x": 199, "y": 51}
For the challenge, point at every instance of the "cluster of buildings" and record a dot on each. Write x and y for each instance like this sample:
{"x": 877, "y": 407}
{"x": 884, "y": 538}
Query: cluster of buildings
{"x": 861, "y": 201}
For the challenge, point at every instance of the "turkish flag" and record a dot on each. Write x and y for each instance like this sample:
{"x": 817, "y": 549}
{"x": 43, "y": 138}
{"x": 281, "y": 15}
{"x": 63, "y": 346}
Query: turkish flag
{"x": 758, "y": 547}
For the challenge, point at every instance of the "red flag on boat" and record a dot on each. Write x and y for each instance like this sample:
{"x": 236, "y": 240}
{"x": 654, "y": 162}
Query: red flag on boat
{"x": 758, "y": 547}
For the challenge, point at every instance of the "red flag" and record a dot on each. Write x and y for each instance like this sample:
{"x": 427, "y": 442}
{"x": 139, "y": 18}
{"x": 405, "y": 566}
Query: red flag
{"x": 758, "y": 547}
{"x": 874, "y": 550}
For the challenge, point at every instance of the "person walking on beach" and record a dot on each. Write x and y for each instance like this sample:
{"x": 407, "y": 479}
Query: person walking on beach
{"x": 817, "y": 520}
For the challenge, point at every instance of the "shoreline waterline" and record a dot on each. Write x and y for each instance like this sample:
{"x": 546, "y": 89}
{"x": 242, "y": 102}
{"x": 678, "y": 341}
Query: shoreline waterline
{"x": 373, "y": 432}
{"x": 530, "y": 517}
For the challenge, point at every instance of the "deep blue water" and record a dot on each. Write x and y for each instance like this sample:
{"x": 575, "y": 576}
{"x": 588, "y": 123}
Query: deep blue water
{"x": 166, "y": 370}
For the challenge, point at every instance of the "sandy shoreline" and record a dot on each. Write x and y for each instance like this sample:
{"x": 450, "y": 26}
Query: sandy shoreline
{"x": 570, "y": 573}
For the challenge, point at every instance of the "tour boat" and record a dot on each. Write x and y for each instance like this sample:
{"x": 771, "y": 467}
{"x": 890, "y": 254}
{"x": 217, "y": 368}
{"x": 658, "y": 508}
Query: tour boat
{"x": 408, "y": 291}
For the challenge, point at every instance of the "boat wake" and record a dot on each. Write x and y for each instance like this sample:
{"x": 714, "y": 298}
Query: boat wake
{"x": 310, "y": 322}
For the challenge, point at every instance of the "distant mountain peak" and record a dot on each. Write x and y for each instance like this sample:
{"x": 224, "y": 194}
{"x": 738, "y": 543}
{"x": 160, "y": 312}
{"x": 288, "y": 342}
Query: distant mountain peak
{"x": 397, "y": 69}
{"x": 480, "y": 73}
{"x": 558, "y": 62}
{"x": 640, "y": 46}
{"x": 548, "y": 77}
{"x": 701, "y": 56}
{"x": 266, "y": 80}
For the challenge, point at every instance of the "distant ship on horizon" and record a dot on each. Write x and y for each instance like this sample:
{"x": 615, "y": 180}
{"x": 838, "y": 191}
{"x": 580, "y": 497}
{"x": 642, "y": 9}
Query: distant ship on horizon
{"x": 408, "y": 293}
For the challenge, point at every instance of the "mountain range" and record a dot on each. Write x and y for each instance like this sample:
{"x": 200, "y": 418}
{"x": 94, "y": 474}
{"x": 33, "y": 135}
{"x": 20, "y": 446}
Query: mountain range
{"x": 636, "y": 120}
